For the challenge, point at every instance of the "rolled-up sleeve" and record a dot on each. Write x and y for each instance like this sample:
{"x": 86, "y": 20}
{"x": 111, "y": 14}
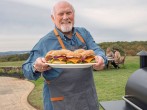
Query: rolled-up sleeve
{"x": 28, "y": 69}
{"x": 92, "y": 45}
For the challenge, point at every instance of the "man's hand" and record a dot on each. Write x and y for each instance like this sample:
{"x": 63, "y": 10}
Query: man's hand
{"x": 40, "y": 65}
{"x": 99, "y": 63}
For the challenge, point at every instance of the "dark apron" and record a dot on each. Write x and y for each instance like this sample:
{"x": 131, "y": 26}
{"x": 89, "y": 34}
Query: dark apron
{"x": 74, "y": 89}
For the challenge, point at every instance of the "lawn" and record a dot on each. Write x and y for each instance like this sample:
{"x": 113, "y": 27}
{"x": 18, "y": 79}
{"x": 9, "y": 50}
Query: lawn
{"x": 110, "y": 83}
{"x": 15, "y": 63}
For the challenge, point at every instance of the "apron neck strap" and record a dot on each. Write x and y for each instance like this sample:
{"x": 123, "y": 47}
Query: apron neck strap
{"x": 80, "y": 37}
{"x": 61, "y": 42}
{"x": 59, "y": 39}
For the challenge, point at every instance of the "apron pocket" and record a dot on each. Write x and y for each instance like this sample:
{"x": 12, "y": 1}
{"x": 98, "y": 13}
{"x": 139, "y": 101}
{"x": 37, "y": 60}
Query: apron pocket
{"x": 76, "y": 102}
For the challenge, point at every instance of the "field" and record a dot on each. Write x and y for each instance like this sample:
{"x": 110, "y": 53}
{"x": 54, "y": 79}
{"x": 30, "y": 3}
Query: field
{"x": 110, "y": 83}
{"x": 15, "y": 63}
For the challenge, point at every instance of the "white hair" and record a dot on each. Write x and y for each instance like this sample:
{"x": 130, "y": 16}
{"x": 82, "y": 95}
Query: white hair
{"x": 62, "y": 1}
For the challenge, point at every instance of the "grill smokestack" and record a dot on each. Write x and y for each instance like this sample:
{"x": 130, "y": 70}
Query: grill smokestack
{"x": 143, "y": 58}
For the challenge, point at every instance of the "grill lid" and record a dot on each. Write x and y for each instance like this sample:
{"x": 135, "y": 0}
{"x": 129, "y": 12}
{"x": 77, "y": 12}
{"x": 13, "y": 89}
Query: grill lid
{"x": 136, "y": 87}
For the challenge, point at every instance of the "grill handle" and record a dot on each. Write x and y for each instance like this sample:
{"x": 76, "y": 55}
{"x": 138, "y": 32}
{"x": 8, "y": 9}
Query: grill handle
{"x": 131, "y": 103}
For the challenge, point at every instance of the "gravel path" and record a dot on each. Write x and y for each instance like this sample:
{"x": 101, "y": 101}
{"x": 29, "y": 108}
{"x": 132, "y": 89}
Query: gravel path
{"x": 14, "y": 93}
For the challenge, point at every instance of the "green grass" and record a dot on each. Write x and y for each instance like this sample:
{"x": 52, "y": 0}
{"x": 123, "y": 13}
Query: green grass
{"x": 15, "y": 63}
{"x": 110, "y": 83}
{"x": 35, "y": 98}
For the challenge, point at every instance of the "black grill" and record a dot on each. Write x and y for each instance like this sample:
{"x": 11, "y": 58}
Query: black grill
{"x": 135, "y": 92}
{"x": 136, "y": 87}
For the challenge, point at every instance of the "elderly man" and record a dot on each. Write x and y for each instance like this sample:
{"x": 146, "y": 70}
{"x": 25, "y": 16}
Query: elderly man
{"x": 65, "y": 88}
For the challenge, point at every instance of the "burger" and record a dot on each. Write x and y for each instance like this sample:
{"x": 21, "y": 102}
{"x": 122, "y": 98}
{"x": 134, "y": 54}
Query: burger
{"x": 88, "y": 56}
{"x": 73, "y": 58}
{"x": 64, "y": 56}
{"x": 79, "y": 50}
{"x": 56, "y": 57}
{"x": 49, "y": 57}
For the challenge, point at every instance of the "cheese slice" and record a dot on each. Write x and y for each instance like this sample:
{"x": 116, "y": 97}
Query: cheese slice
{"x": 73, "y": 60}
{"x": 61, "y": 59}
{"x": 89, "y": 59}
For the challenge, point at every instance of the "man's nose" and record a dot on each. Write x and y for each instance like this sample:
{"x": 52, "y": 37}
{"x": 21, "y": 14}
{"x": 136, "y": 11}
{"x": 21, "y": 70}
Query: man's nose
{"x": 65, "y": 16}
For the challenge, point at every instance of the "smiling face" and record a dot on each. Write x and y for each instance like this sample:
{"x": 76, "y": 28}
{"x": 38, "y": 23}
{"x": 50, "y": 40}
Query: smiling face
{"x": 63, "y": 16}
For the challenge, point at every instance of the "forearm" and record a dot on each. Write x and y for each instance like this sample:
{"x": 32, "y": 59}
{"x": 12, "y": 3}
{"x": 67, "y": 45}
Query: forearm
{"x": 29, "y": 72}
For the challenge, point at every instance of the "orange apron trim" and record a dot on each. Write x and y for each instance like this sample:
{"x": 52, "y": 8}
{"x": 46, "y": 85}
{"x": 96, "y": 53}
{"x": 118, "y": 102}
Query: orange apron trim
{"x": 61, "y": 42}
{"x": 57, "y": 99}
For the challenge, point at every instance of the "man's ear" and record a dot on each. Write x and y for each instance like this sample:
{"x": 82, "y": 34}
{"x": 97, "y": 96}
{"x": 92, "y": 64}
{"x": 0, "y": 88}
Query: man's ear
{"x": 53, "y": 19}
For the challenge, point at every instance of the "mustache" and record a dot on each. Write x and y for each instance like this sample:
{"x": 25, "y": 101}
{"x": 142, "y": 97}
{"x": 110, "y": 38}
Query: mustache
{"x": 65, "y": 21}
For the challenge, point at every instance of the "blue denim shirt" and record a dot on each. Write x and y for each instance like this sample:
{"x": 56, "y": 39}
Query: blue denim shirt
{"x": 50, "y": 42}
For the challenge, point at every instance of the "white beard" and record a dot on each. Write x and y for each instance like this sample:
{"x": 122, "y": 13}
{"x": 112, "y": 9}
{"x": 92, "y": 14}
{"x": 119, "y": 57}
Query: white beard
{"x": 66, "y": 27}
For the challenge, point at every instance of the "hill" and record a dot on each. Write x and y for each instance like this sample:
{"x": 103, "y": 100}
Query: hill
{"x": 13, "y": 53}
{"x": 129, "y": 48}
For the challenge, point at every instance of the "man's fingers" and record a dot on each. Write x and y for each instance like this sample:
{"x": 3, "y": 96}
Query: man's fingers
{"x": 43, "y": 60}
{"x": 40, "y": 64}
{"x": 99, "y": 63}
{"x": 98, "y": 67}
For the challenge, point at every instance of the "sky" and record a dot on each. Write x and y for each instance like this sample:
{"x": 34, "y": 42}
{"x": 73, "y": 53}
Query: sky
{"x": 24, "y": 22}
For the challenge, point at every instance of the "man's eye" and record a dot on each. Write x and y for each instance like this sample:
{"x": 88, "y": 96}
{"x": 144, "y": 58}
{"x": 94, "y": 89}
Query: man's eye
{"x": 68, "y": 13}
{"x": 60, "y": 14}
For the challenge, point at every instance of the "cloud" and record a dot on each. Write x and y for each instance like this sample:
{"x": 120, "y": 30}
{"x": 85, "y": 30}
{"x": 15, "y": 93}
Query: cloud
{"x": 117, "y": 21}
{"x": 20, "y": 18}
{"x": 114, "y": 20}
{"x": 38, "y": 3}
